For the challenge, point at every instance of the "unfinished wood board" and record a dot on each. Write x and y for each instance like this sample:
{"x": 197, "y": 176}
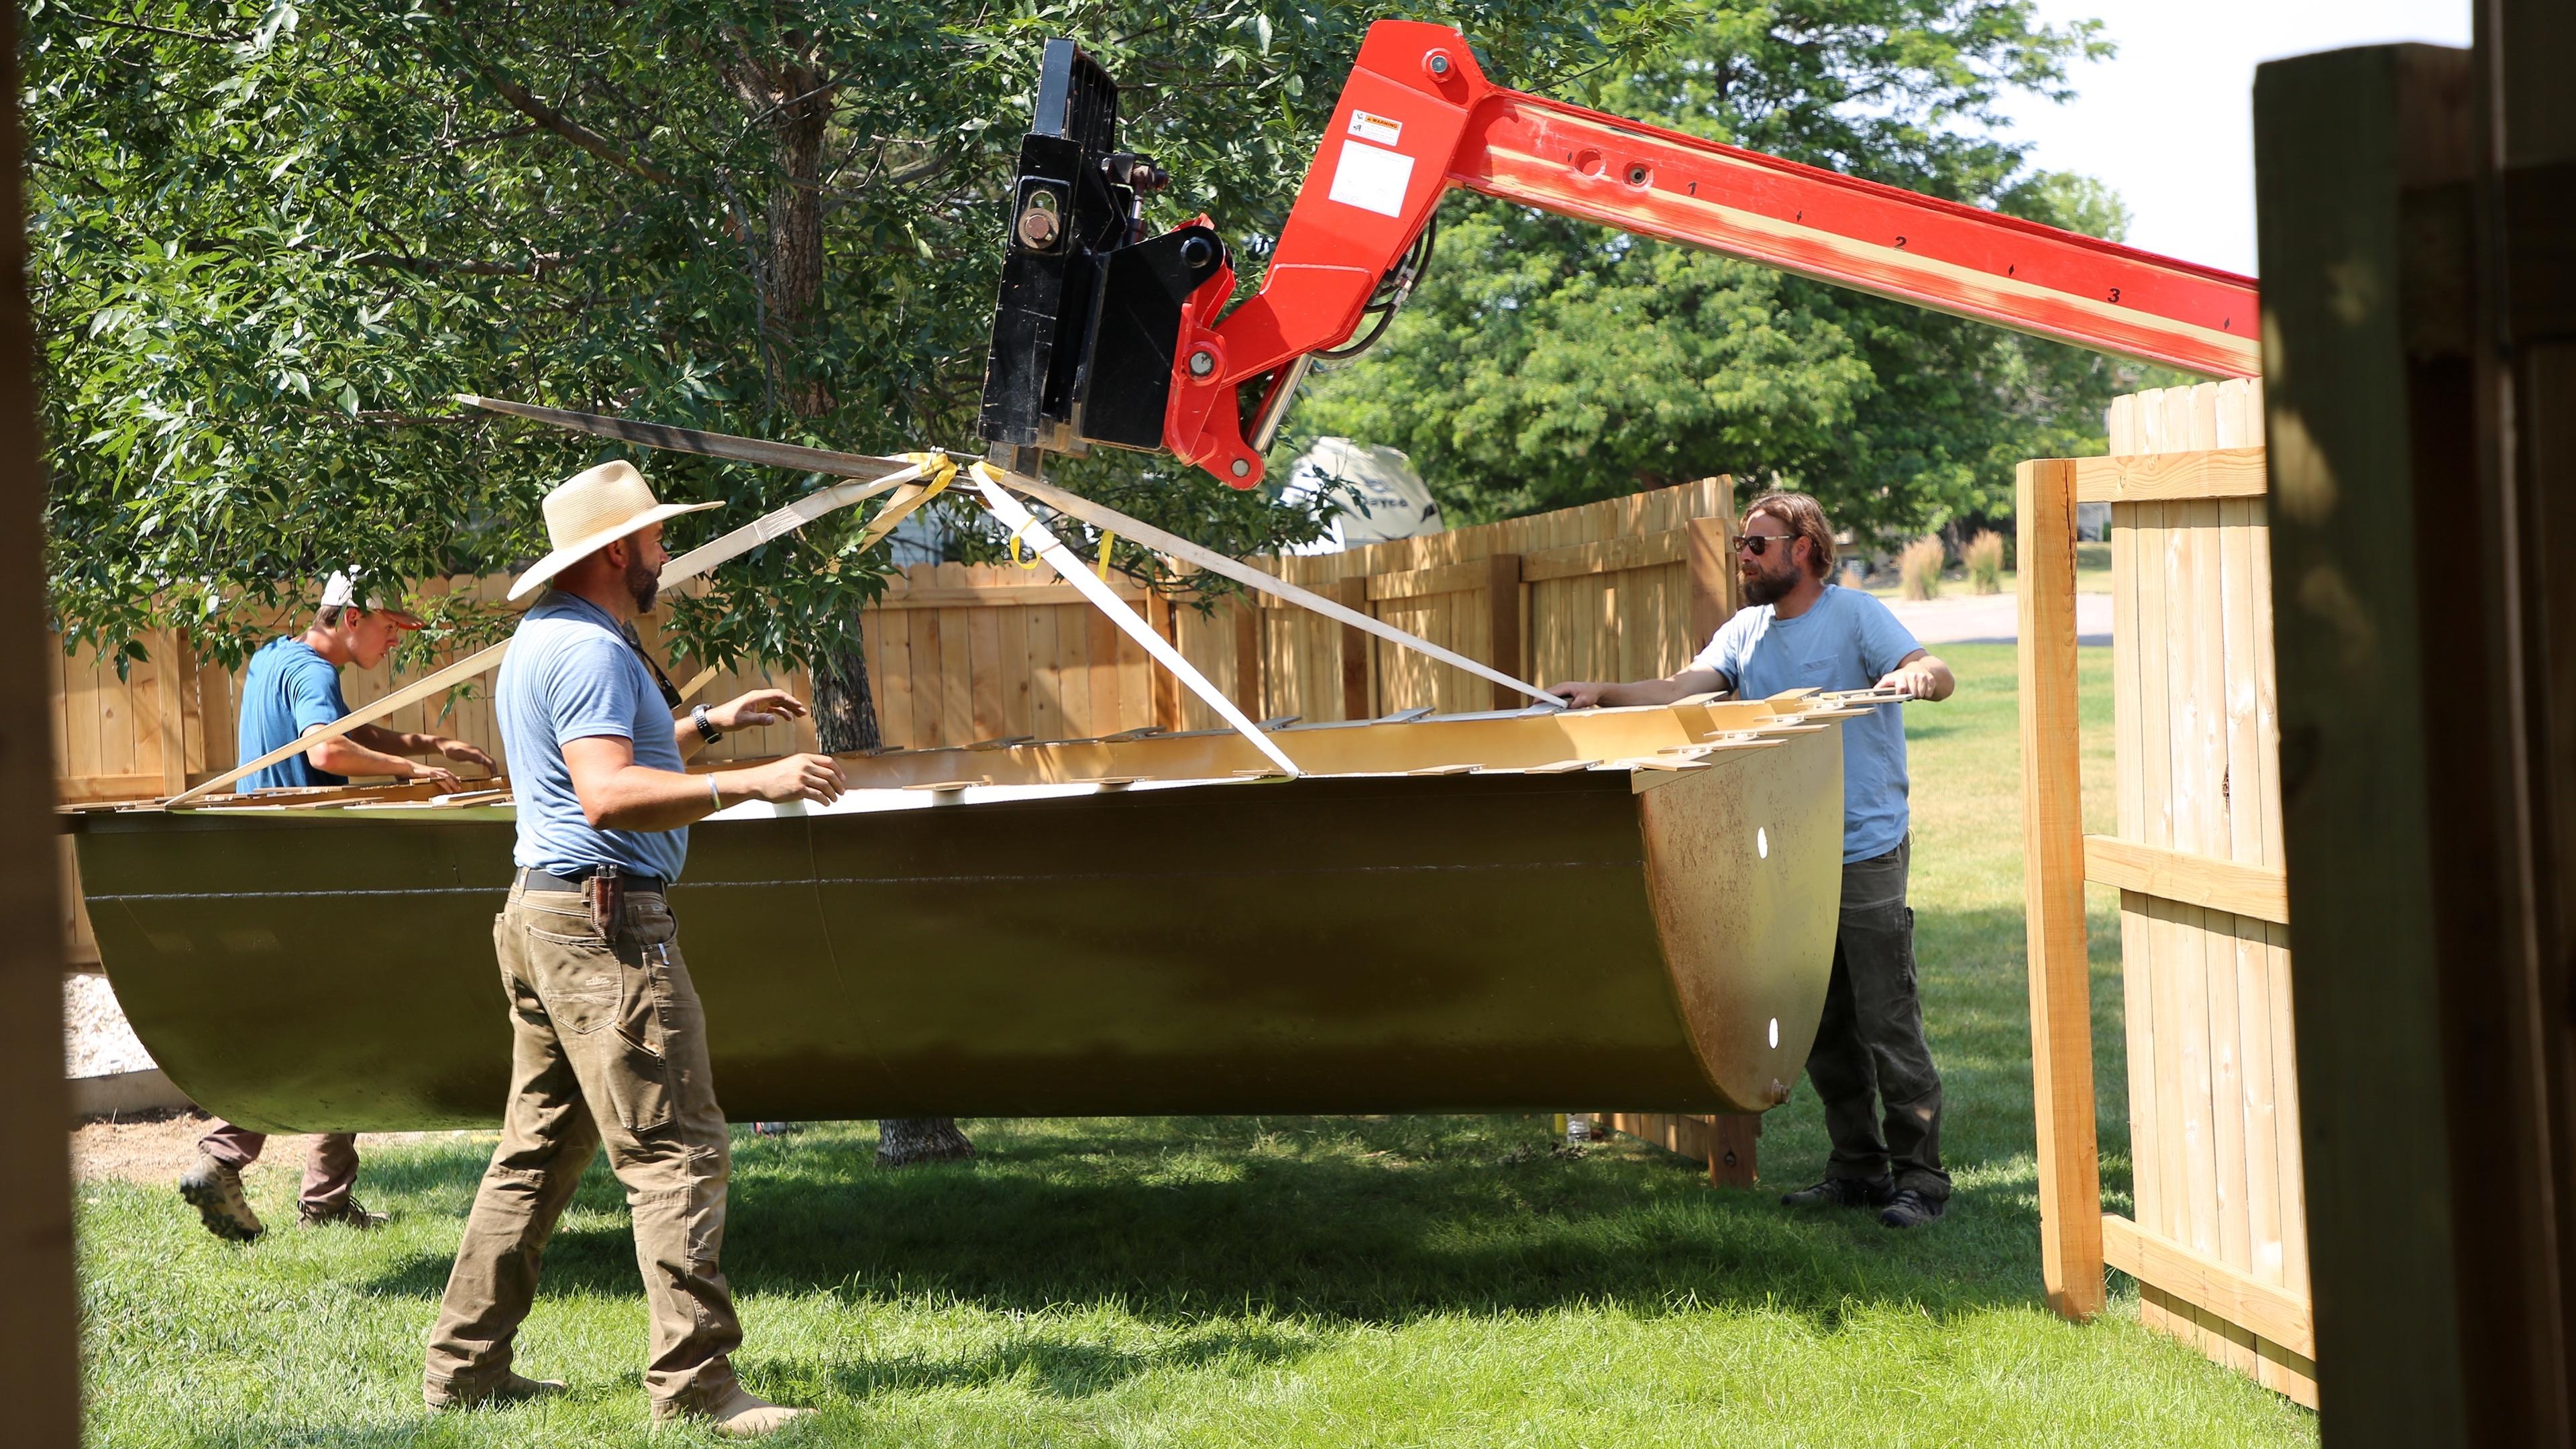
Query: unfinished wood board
{"x": 2060, "y": 989}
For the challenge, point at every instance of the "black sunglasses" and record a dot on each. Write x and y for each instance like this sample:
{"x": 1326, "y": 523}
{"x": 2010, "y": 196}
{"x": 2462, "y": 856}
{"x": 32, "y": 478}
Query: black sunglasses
{"x": 1757, "y": 544}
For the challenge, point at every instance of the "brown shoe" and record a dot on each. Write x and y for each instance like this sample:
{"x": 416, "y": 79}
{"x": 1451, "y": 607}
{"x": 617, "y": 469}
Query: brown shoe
{"x": 214, "y": 1189}
{"x": 738, "y": 1415}
{"x": 345, "y": 1213}
{"x": 510, "y": 1389}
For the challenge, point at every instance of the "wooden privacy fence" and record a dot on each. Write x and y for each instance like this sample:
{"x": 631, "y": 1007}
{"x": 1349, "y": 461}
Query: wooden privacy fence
{"x": 1630, "y": 588}
{"x": 2219, "y": 1241}
{"x": 171, "y": 721}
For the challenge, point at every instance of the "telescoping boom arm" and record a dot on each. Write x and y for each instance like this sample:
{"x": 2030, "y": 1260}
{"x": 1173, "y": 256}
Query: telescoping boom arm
{"x": 1102, "y": 333}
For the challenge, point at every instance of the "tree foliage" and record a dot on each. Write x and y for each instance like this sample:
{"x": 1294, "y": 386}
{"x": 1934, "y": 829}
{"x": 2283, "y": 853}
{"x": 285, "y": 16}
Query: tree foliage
{"x": 1547, "y": 362}
{"x": 270, "y": 240}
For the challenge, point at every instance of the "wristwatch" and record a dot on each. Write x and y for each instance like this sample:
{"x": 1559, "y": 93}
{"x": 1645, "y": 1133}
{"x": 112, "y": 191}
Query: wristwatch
{"x": 706, "y": 727}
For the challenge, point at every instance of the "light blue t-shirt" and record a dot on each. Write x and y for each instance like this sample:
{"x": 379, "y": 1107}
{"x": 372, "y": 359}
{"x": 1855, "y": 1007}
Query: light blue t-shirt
{"x": 571, "y": 675}
{"x": 1848, "y": 640}
{"x": 287, "y": 690}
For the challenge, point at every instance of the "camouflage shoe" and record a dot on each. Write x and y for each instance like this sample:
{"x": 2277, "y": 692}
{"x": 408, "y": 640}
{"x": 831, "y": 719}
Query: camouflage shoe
{"x": 346, "y": 1213}
{"x": 214, "y": 1189}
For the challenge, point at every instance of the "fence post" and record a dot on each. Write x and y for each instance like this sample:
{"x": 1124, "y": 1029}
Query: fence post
{"x": 1503, "y": 609}
{"x": 1357, "y": 665}
{"x": 2061, "y": 986}
{"x": 1731, "y": 1152}
{"x": 1164, "y": 685}
{"x": 1712, "y": 577}
{"x": 189, "y": 679}
{"x": 1247, "y": 655}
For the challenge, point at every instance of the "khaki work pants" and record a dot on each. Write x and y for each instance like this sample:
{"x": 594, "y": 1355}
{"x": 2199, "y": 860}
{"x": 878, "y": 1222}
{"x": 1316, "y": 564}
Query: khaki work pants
{"x": 610, "y": 1046}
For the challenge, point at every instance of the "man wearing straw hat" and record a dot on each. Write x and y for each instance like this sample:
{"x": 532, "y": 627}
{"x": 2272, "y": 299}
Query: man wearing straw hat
{"x": 292, "y": 688}
{"x": 609, "y": 1039}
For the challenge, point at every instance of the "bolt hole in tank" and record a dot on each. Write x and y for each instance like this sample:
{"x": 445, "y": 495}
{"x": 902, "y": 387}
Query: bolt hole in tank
{"x": 1638, "y": 175}
{"x": 1588, "y": 162}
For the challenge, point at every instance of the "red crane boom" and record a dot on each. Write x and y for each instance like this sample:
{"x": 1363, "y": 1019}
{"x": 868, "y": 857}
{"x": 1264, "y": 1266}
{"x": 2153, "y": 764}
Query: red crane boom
{"x": 1418, "y": 116}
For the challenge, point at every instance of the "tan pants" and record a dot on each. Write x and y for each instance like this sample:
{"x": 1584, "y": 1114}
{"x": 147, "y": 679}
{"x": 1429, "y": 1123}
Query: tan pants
{"x": 610, "y": 1046}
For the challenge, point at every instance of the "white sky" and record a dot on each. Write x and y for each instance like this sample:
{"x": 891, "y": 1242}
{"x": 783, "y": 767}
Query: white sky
{"x": 2169, "y": 123}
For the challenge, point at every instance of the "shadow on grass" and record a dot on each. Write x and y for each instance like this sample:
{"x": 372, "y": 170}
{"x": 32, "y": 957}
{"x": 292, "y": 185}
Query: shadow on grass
{"x": 1334, "y": 1219}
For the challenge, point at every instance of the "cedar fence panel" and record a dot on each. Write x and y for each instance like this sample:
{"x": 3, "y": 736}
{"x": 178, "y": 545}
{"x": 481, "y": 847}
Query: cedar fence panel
{"x": 1629, "y": 587}
{"x": 2218, "y": 1242}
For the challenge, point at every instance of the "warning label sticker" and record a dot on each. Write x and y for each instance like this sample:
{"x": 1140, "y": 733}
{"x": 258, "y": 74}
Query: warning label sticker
{"x": 1384, "y": 130}
{"x": 1371, "y": 178}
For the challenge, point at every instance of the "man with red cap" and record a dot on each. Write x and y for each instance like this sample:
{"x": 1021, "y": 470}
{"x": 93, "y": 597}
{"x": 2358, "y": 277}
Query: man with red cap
{"x": 292, "y": 688}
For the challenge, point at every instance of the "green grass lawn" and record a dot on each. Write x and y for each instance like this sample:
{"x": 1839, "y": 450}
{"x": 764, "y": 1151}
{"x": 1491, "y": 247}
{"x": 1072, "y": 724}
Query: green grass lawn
{"x": 1290, "y": 1281}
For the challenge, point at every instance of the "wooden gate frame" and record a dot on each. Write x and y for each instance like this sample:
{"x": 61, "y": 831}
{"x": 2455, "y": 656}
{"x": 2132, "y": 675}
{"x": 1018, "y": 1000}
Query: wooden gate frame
{"x": 2077, "y": 1239}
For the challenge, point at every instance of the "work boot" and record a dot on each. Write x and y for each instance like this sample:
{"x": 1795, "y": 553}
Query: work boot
{"x": 1843, "y": 1192}
{"x": 1911, "y": 1209}
{"x": 346, "y": 1212}
{"x": 511, "y": 1388}
{"x": 739, "y": 1415}
{"x": 214, "y": 1189}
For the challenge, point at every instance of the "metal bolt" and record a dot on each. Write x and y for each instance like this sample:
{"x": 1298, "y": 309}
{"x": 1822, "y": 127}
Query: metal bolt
{"x": 1202, "y": 362}
{"x": 1041, "y": 221}
{"x": 1242, "y": 469}
{"x": 1439, "y": 63}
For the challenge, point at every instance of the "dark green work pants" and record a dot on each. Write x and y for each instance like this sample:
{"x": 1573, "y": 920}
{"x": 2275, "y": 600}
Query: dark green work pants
{"x": 1870, "y": 1064}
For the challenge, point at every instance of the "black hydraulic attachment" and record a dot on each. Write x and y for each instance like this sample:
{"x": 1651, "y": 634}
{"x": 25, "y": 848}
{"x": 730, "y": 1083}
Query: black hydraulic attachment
{"x": 1088, "y": 320}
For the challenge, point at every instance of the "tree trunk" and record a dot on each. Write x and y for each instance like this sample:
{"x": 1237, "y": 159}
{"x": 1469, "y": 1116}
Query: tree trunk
{"x": 792, "y": 96}
{"x": 845, "y": 709}
{"x": 795, "y": 98}
{"x": 910, "y": 1141}
{"x": 845, "y": 721}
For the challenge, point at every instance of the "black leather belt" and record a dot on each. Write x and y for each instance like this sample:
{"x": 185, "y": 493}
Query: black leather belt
{"x": 541, "y": 880}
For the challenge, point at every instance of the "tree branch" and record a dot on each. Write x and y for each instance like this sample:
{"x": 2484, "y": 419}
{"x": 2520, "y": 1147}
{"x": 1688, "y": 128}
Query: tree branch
{"x": 198, "y": 35}
{"x": 528, "y": 104}
{"x": 431, "y": 266}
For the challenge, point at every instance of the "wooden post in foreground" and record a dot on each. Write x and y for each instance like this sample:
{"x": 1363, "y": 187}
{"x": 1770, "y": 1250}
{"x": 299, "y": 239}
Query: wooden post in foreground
{"x": 40, "y": 1334}
{"x": 2420, "y": 372}
{"x": 2061, "y": 988}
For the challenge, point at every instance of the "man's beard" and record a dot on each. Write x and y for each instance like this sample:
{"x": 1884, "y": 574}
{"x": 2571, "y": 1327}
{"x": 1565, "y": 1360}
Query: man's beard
{"x": 1767, "y": 587}
{"x": 644, "y": 583}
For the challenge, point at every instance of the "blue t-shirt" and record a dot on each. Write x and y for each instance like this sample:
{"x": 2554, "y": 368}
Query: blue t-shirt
{"x": 1848, "y": 640}
{"x": 287, "y": 690}
{"x": 571, "y": 675}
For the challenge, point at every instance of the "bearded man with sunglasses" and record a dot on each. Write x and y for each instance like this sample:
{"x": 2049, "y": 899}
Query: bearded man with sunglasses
{"x": 1870, "y": 1064}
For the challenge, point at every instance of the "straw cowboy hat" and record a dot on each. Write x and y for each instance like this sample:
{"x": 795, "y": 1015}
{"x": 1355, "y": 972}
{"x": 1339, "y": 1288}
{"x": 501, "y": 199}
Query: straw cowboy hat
{"x": 589, "y": 511}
